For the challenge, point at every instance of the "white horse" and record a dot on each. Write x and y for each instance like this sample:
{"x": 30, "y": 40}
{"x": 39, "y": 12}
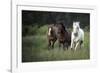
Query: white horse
{"x": 77, "y": 36}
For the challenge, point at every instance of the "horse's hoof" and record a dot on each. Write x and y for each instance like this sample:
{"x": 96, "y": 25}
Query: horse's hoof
{"x": 71, "y": 48}
{"x": 64, "y": 49}
{"x": 49, "y": 48}
{"x": 67, "y": 48}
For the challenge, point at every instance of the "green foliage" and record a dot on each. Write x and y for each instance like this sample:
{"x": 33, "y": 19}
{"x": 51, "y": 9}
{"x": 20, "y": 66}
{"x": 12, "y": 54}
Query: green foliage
{"x": 42, "y": 30}
{"x": 29, "y": 30}
{"x": 87, "y": 28}
{"x": 34, "y": 49}
{"x": 34, "y": 30}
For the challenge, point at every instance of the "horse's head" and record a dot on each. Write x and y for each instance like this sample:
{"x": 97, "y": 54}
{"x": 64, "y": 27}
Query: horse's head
{"x": 61, "y": 30}
{"x": 76, "y": 27}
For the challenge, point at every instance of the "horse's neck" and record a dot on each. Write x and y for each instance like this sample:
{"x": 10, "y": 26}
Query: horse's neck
{"x": 63, "y": 33}
{"x": 77, "y": 34}
{"x": 53, "y": 33}
{"x": 66, "y": 32}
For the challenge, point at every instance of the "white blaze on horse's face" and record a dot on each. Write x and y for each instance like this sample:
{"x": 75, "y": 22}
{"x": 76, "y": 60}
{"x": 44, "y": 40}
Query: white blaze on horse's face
{"x": 76, "y": 27}
{"x": 49, "y": 32}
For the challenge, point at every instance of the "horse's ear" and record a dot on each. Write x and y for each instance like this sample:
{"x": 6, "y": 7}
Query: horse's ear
{"x": 74, "y": 24}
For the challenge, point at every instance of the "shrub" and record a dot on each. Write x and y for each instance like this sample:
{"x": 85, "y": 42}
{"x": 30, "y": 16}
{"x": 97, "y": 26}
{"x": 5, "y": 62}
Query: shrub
{"x": 42, "y": 30}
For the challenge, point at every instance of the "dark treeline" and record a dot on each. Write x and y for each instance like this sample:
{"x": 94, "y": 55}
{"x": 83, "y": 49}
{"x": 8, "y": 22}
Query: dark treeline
{"x": 40, "y": 18}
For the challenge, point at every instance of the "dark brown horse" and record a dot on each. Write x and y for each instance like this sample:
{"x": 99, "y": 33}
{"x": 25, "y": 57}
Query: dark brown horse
{"x": 51, "y": 35}
{"x": 64, "y": 37}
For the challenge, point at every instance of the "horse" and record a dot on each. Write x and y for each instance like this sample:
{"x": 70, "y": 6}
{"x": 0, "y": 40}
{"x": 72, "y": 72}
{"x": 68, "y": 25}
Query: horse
{"x": 51, "y": 35}
{"x": 77, "y": 36}
{"x": 63, "y": 36}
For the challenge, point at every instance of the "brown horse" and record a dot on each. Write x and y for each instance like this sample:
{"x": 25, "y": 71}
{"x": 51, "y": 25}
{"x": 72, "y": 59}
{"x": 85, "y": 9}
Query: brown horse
{"x": 64, "y": 37}
{"x": 51, "y": 35}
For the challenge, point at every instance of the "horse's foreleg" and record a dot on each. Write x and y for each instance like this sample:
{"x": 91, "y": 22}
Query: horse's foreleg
{"x": 53, "y": 44}
{"x": 67, "y": 46}
{"x": 76, "y": 45}
{"x": 59, "y": 45}
{"x": 49, "y": 44}
{"x": 72, "y": 43}
{"x": 64, "y": 44}
{"x": 81, "y": 44}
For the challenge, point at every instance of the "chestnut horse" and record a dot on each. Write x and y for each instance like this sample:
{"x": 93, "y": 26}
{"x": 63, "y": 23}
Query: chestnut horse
{"x": 51, "y": 35}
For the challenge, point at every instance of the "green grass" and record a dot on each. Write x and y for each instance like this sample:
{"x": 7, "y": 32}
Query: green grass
{"x": 34, "y": 49}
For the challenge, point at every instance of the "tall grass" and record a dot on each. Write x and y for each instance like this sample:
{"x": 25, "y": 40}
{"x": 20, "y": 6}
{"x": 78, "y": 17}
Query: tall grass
{"x": 34, "y": 48}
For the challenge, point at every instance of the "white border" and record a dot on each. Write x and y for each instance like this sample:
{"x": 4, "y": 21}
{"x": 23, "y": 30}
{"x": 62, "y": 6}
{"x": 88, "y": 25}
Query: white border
{"x": 18, "y": 66}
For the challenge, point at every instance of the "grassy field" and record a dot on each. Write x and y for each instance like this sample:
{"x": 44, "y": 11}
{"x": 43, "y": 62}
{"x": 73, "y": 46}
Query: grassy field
{"x": 34, "y": 48}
